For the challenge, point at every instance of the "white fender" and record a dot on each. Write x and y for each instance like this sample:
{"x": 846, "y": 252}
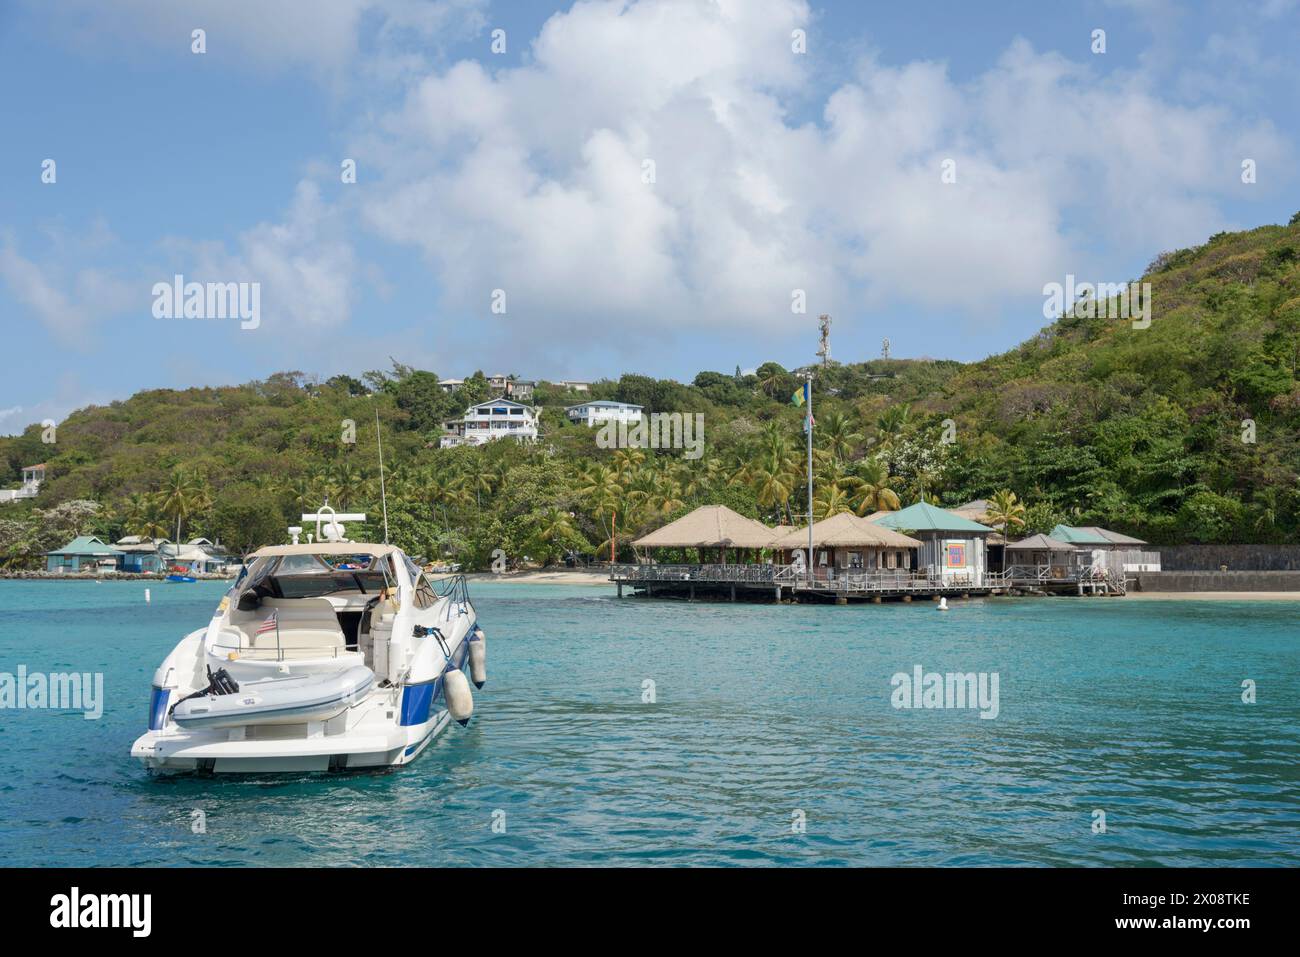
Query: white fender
{"x": 455, "y": 691}
{"x": 478, "y": 658}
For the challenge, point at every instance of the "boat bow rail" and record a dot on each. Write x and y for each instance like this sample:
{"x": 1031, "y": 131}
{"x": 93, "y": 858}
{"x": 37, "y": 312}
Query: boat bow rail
{"x": 455, "y": 589}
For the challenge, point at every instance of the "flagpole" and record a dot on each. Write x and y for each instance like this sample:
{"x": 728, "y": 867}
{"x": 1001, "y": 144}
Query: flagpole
{"x": 383, "y": 495}
{"x": 808, "y": 427}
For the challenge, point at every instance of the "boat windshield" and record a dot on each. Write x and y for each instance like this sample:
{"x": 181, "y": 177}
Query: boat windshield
{"x": 311, "y": 576}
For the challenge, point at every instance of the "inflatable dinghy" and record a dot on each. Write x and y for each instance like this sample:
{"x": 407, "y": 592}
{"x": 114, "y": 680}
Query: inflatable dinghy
{"x": 293, "y": 700}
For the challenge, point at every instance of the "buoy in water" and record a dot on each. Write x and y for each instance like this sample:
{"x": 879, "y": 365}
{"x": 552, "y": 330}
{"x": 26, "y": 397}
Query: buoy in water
{"x": 943, "y": 604}
{"x": 478, "y": 658}
{"x": 146, "y": 596}
{"x": 455, "y": 690}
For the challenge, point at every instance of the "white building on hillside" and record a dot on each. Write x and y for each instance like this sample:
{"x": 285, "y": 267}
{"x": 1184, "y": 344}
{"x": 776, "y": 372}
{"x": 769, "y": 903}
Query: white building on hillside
{"x": 450, "y": 385}
{"x": 495, "y": 419}
{"x": 33, "y": 476}
{"x": 602, "y": 410}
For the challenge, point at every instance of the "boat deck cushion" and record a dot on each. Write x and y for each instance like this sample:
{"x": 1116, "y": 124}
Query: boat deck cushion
{"x": 305, "y": 623}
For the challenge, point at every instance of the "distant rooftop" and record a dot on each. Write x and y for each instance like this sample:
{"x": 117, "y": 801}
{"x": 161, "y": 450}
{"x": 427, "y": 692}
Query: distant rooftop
{"x": 924, "y": 517}
{"x": 1092, "y": 535}
{"x": 605, "y": 404}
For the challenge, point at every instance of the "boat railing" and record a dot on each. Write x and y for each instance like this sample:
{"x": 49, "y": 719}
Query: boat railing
{"x": 456, "y": 590}
{"x": 242, "y": 650}
{"x": 752, "y": 574}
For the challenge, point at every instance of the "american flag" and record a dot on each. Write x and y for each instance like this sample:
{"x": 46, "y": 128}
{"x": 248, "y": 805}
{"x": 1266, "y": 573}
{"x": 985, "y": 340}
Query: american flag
{"x": 268, "y": 625}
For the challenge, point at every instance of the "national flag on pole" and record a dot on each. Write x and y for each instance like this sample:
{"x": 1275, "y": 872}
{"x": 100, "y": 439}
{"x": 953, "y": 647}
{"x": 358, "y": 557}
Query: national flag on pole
{"x": 800, "y": 395}
{"x": 270, "y": 623}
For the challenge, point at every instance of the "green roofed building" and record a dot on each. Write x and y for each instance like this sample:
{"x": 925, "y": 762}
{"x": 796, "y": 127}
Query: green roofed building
{"x": 1123, "y": 554}
{"x": 952, "y": 548}
{"x": 85, "y": 553}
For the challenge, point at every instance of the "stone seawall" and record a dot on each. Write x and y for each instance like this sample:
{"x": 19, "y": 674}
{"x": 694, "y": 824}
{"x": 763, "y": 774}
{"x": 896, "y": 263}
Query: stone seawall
{"x": 1216, "y": 581}
{"x": 1238, "y": 558}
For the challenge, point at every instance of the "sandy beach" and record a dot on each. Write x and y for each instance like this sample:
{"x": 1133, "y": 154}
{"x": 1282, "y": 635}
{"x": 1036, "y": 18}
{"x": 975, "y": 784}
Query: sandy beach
{"x": 1215, "y": 595}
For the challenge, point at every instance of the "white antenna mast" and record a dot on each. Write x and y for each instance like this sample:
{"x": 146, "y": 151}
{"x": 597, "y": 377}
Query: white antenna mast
{"x": 383, "y": 494}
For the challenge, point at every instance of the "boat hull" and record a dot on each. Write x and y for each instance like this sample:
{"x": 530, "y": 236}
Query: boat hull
{"x": 214, "y": 751}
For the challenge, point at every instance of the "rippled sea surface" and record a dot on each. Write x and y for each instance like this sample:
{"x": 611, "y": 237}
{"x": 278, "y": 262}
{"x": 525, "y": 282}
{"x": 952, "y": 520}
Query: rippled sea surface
{"x": 763, "y": 717}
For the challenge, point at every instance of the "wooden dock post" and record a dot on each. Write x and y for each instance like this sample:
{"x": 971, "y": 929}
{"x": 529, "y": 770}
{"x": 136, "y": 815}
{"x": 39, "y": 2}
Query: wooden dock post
{"x": 733, "y": 592}
{"x": 620, "y": 589}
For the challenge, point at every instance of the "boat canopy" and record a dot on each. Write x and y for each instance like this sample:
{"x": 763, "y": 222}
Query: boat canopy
{"x": 326, "y": 548}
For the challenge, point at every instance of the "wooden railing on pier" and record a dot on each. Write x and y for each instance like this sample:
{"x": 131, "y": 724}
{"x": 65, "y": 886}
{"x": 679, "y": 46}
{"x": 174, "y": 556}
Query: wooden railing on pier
{"x": 703, "y": 574}
{"x": 1091, "y": 577}
{"x": 796, "y": 577}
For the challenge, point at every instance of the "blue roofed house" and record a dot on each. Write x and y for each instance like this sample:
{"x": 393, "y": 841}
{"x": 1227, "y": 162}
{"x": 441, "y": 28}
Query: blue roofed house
{"x": 83, "y": 554}
{"x": 140, "y": 554}
{"x": 953, "y": 548}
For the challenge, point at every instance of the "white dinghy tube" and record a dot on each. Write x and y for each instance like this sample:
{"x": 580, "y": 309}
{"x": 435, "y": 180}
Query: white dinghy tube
{"x": 293, "y": 700}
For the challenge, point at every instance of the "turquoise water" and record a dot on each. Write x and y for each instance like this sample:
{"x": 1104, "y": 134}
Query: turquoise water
{"x": 761, "y": 713}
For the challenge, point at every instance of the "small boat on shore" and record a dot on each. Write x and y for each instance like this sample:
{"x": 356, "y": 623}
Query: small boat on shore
{"x": 323, "y": 656}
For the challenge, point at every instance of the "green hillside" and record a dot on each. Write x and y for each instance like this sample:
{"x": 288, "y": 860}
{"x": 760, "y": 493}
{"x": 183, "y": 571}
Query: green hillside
{"x": 1091, "y": 421}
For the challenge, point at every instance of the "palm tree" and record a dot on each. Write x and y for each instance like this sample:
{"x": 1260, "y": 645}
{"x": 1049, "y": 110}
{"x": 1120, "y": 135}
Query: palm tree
{"x": 869, "y": 488}
{"x": 553, "y": 529}
{"x": 302, "y": 493}
{"x": 345, "y": 483}
{"x": 835, "y": 432}
{"x": 604, "y": 494}
{"x": 829, "y": 500}
{"x": 772, "y": 485}
{"x": 152, "y": 524}
{"x": 770, "y": 377}
{"x": 135, "y": 508}
{"x": 628, "y": 460}
{"x": 1005, "y": 510}
{"x": 181, "y": 496}
{"x": 893, "y": 421}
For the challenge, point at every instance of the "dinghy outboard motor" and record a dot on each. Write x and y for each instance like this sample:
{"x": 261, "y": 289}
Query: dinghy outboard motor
{"x": 219, "y": 684}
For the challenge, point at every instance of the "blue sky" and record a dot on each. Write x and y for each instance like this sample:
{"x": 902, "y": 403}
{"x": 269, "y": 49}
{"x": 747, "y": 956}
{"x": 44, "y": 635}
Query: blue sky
{"x": 525, "y": 171}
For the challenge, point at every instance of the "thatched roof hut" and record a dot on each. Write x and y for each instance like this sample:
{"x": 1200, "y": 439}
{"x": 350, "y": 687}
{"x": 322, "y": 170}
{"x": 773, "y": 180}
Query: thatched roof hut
{"x": 709, "y": 526}
{"x": 780, "y": 531}
{"x": 845, "y": 530}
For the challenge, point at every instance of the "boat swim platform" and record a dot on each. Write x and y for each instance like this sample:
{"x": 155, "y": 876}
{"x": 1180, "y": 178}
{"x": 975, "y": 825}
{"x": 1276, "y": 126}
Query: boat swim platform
{"x": 777, "y": 583}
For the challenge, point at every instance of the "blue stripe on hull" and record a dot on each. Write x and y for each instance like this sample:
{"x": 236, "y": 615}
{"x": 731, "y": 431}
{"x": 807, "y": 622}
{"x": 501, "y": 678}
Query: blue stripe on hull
{"x": 418, "y": 700}
{"x": 158, "y": 708}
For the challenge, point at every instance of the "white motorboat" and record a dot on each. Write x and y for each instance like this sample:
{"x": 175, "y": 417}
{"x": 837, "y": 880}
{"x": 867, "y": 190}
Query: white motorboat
{"x": 323, "y": 656}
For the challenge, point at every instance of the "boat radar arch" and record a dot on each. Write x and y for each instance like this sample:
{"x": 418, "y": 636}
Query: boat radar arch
{"x": 333, "y": 529}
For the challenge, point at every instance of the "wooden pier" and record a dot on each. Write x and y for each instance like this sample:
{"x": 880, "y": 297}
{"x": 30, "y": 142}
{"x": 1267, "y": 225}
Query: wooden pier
{"x": 782, "y": 583}
{"x": 792, "y": 583}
